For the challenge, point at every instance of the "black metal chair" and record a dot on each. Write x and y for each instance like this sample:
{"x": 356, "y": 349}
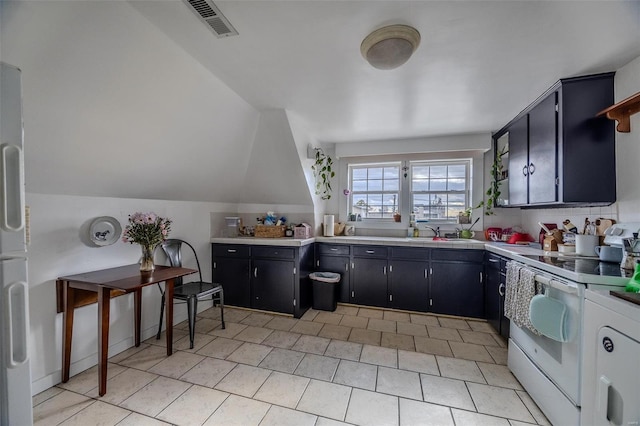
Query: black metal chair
{"x": 189, "y": 292}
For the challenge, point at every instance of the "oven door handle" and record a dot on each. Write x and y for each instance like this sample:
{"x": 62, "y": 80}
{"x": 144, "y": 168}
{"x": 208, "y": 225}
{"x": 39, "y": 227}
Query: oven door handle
{"x": 562, "y": 286}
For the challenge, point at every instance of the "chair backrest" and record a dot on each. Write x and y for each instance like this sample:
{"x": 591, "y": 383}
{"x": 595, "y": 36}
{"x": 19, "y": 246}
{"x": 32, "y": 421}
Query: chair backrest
{"x": 173, "y": 249}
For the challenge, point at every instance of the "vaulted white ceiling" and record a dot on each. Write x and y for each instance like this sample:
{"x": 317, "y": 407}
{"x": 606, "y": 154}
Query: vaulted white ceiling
{"x": 139, "y": 99}
{"x": 479, "y": 62}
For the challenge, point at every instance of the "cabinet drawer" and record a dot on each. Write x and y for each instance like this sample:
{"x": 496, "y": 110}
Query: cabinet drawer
{"x": 334, "y": 249}
{"x": 370, "y": 251}
{"x": 460, "y": 255}
{"x": 274, "y": 252}
{"x": 230, "y": 250}
{"x": 410, "y": 253}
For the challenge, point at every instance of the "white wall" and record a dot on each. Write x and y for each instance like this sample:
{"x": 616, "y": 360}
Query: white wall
{"x": 274, "y": 174}
{"x": 56, "y": 250}
{"x": 113, "y": 107}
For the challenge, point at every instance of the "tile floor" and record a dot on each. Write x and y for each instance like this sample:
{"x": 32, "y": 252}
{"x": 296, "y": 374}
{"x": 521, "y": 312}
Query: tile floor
{"x": 356, "y": 365}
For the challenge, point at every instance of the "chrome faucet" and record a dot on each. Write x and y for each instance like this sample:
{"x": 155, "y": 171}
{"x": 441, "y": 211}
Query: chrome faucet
{"x": 436, "y": 231}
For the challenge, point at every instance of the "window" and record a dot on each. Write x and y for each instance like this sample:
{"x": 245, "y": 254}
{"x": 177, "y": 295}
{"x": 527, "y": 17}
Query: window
{"x": 433, "y": 190}
{"x": 439, "y": 191}
{"x": 375, "y": 190}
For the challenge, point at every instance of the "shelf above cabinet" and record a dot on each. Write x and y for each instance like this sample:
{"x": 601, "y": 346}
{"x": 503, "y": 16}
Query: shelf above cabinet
{"x": 622, "y": 111}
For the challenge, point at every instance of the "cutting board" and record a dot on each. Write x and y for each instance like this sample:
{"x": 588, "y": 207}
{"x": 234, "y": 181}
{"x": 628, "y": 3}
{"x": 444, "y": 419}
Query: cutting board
{"x": 603, "y": 224}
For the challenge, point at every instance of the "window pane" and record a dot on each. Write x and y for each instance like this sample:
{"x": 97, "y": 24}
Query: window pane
{"x": 375, "y": 173}
{"x": 391, "y": 185}
{"x": 359, "y": 185}
{"x": 438, "y": 185}
{"x": 457, "y": 171}
{"x": 391, "y": 172}
{"x": 456, "y": 185}
{"x": 438, "y": 172}
{"x": 374, "y": 185}
{"x": 359, "y": 173}
{"x": 420, "y": 172}
{"x": 420, "y": 185}
{"x": 374, "y": 206}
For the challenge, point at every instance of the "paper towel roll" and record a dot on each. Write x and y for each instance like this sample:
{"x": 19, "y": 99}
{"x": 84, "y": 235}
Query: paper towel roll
{"x": 329, "y": 221}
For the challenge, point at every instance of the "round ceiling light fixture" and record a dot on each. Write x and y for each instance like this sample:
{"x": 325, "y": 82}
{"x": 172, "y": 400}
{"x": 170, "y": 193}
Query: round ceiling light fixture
{"x": 389, "y": 47}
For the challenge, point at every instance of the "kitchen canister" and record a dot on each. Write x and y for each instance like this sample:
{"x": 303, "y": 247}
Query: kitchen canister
{"x": 328, "y": 224}
{"x": 586, "y": 245}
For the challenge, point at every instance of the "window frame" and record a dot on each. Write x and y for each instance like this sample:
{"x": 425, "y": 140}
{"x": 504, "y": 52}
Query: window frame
{"x": 405, "y": 193}
{"x": 385, "y": 164}
{"x": 466, "y": 192}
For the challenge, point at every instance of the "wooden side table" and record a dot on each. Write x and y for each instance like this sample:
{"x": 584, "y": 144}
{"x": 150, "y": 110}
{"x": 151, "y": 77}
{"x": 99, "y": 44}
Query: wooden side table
{"x": 100, "y": 286}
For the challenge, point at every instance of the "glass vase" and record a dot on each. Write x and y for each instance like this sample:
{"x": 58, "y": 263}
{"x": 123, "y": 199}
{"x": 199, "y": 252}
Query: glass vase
{"x": 146, "y": 261}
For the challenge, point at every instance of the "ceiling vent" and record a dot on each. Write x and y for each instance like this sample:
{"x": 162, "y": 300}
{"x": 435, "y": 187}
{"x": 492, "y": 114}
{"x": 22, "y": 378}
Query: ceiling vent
{"x": 212, "y": 17}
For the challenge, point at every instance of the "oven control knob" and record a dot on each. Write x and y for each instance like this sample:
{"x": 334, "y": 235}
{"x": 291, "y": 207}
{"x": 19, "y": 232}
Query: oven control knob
{"x": 608, "y": 344}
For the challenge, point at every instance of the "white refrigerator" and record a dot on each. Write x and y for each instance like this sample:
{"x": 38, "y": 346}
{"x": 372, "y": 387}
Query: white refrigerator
{"x": 15, "y": 372}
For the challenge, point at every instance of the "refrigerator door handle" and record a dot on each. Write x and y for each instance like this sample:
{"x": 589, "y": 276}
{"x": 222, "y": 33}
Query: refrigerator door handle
{"x": 12, "y": 197}
{"x": 16, "y": 310}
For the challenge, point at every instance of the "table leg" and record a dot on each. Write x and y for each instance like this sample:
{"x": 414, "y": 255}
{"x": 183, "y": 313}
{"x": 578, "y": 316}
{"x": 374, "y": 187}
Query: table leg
{"x": 104, "y": 298}
{"x": 67, "y": 328}
{"x": 137, "y": 309}
{"x": 168, "y": 292}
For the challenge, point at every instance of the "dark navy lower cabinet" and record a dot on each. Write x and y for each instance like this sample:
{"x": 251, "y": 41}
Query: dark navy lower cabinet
{"x": 409, "y": 285}
{"x": 456, "y": 288}
{"x": 369, "y": 281}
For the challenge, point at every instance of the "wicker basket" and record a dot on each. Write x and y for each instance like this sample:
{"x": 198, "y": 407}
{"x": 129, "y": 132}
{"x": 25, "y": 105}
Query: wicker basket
{"x": 269, "y": 231}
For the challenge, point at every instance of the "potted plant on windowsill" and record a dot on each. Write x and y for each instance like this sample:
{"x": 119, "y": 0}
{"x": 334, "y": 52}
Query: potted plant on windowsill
{"x": 323, "y": 173}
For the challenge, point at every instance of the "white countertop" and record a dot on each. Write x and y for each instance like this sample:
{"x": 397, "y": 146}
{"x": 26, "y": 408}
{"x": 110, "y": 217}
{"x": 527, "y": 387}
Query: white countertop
{"x": 405, "y": 241}
{"x": 381, "y": 241}
{"x": 286, "y": 242}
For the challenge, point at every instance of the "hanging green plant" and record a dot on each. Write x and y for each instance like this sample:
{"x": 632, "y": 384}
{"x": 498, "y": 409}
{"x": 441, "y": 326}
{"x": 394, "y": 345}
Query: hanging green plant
{"x": 493, "y": 192}
{"x": 323, "y": 173}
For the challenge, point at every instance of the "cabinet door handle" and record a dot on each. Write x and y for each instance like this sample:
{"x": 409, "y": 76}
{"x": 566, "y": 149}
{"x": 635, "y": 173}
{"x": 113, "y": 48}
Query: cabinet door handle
{"x": 353, "y": 265}
{"x": 426, "y": 273}
{"x": 231, "y": 250}
{"x": 391, "y": 298}
{"x": 317, "y": 263}
{"x": 370, "y": 251}
{"x": 215, "y": 266}
{"x": 390, "y": 268}
{"x": 494, "y": 260}
{"x": 255, "y": 272}
{"x": 525, "y": 170}
{"x": 481, "y": 277}
{"x": 346, "y": 267}
{"x": 384, "y": 270}
{"x": 333, "y": 249}
{"x": 501, "y": 289}
{"x": 532, "y": 168}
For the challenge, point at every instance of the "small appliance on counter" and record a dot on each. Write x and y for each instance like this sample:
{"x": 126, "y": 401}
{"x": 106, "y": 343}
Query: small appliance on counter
{"x": 624, "y": 236}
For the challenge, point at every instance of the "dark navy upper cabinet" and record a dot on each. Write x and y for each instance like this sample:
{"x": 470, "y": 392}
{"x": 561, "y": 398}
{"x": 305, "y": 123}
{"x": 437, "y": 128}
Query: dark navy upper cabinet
{"x": 560, "y": 153}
